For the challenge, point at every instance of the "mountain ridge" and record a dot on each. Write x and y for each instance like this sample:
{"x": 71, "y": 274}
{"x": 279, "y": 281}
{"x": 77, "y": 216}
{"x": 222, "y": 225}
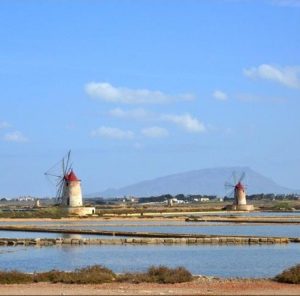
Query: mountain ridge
{"x": 208, "y": 181}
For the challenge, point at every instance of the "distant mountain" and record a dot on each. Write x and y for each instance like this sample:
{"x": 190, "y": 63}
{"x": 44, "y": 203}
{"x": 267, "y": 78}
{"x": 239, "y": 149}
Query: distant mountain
{"x": 205, "y": 181}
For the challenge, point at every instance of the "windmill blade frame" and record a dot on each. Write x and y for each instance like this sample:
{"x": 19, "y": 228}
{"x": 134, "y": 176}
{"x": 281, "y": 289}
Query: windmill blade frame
{"x": 51, "y": 175}
{"x": 68, "y": 161}
{"x": 242, "y": 177}
{"x": 60, "y": 185}
{"x": 234, "y": 178}
{"x": 230, "y": 193}
{"x": 57, "y": 174}
{"x": 229, "y": 185}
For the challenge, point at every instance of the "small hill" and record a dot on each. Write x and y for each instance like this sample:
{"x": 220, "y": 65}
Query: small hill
{"x": 205, "y": 181}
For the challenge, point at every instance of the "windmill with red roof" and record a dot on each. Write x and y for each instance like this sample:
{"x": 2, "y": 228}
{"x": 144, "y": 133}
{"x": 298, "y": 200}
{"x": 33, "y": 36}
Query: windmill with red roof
{"x": 68, "y": 187}
{"x": 238, "y": 191}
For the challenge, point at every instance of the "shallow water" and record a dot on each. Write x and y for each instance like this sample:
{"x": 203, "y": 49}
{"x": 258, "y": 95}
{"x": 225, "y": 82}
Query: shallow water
{"x": 224, "y": 261}
{"x": 222, "y": 229}
{"x": 285, "y": 230}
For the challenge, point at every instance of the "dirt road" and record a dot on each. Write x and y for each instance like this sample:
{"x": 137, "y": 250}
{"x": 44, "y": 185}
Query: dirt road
{"x": 197, "y": 287}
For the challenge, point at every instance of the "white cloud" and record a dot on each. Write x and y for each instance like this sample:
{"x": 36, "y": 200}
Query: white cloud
{"x": 107, "y": 92}
{"x": 138, "y": 113}
{"x": 113, "y": 133}
{"x": 4, "y": 124}
{"x": 220, "y": 95}
{"x": 288, "y": 76}
{"x": 15, "y": 136}
{"x": 187, "y": 122}
{"x": 155, "y": 132}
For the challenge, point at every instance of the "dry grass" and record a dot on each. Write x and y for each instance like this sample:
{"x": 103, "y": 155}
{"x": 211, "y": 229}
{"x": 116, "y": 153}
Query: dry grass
{"x": 49, "y": 212}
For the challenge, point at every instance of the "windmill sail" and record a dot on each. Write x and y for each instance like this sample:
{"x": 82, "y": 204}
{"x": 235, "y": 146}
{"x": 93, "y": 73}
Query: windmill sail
{"x": 68, "y": 187}
{"x": 238, "y": 191}
{"x": 57, "y": 174}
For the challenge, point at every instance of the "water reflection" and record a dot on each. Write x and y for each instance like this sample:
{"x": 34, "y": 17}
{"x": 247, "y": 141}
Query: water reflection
{"x": 24, "y": 234}
{"x": 286, "y": 230}
{"x": 71, "y": 235}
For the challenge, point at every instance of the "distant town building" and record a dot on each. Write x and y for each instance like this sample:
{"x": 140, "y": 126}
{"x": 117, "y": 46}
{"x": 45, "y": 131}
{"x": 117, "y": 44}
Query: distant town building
{"x": 25, "y": 198}
{"x": 130, "y": 199}
{"x": 174, "y": 200}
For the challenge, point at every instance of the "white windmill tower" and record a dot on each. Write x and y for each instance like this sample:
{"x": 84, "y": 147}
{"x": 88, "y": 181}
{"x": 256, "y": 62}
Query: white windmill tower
{"x": 68, "y": 187}
{"x": 238, "y": 190}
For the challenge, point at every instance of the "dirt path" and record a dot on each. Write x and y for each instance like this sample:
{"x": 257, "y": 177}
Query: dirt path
{"x": 197, "y": 287}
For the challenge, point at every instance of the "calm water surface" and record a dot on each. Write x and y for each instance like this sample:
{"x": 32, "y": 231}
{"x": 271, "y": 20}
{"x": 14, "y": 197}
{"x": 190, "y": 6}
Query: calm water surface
{"x": 224, "y": 261}
{"x": 286, "y": 230}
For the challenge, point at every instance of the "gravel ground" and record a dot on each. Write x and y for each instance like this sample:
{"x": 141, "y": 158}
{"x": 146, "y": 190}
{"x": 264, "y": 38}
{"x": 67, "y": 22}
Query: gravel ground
{"x": 201, "y": 286}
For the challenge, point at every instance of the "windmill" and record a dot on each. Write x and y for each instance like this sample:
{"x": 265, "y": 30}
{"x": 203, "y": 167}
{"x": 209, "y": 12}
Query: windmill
{"x": 237, "y": 189}
{"x": 68, "y": 189}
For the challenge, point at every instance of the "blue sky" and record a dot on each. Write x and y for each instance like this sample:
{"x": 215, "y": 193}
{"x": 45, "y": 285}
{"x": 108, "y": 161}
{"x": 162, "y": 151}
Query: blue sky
{"x": 141, "y": 89}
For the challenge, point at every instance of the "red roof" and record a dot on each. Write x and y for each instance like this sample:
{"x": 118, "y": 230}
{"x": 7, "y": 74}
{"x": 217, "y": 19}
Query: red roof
{"x": 71, "y": 177}
{"x": 239, "y": 186}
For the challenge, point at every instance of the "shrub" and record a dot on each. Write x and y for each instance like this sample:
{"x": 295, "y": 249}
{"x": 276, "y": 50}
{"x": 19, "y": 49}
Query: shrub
{"x": 14, "y": 277}
{"x": 160, "y": 274}
{"x": 164, "y": 275}
{"x": 291, "y": 275}
{"x": 96, "y": 274}
{"x": 282, "y": 206}
{"x": 134, "y": 278}
{"x": 52, "y": 276}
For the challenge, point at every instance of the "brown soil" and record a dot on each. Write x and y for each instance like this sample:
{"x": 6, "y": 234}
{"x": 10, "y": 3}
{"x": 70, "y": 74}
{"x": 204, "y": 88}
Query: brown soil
{"x": 201, "y": 286}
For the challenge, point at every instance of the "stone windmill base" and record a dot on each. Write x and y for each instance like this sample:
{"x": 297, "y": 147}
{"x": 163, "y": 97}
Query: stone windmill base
{"x": 80, "y": 211}
{"x": 240, "y": 208}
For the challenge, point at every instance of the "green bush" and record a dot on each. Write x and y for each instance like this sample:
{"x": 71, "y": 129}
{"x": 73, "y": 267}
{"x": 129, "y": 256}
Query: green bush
{"x": 290, "y": 275}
